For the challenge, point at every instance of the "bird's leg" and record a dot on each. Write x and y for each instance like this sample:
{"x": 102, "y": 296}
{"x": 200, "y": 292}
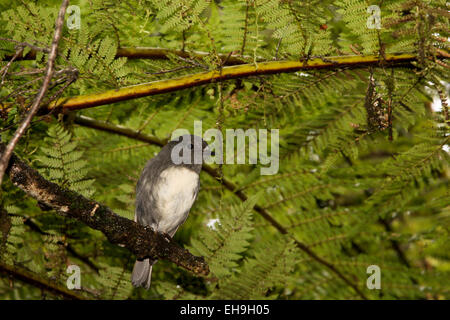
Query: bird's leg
{"x": 166, "y": 236}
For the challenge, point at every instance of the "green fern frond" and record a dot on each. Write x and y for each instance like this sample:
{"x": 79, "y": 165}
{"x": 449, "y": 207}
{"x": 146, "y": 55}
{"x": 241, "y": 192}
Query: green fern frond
{"x": 62, "y": 164}
{"x": 223, "y": 243}
{"x": 271, "y": 266}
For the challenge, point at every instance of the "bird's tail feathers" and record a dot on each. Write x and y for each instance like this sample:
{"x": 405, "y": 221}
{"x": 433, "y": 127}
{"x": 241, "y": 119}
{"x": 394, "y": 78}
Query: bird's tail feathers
{"x": 142, "y": 273}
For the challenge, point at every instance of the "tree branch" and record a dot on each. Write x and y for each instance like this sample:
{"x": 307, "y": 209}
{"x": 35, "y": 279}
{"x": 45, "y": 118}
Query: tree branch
{"x": 227, "y": 73}
{"x": 31, "y": 278}
{"x": 163, "y": 54}
{"x": 37, "y": 101}
{"x": 142, "y": 241}
{"x": 153, "y": 53}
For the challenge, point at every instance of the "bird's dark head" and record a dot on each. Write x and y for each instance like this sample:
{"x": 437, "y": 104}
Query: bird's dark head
{"x": 188, "y": 151}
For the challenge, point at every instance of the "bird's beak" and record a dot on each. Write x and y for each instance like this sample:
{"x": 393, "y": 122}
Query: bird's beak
{"x": 207, "y": 154}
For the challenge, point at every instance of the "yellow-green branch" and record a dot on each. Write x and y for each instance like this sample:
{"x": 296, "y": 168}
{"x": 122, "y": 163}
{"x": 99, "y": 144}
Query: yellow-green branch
{"x": 226, "y": 73}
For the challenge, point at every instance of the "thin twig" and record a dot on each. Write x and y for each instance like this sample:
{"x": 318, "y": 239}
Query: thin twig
{"x": 35, "y": 106}
{"x": 26, "y": 44}
{"x": 168, "y": 71}
{"x": 244, "y": 40}
{"x": 6, "y": 68}
{"x": 72, "y": 76}
{"x": 278, "y": 48}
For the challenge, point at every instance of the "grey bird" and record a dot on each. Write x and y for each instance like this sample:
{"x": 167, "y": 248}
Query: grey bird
{"x": 166, "y": 191}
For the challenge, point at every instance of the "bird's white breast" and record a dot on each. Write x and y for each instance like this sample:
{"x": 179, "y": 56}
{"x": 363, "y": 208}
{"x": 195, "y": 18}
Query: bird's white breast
{"x": 176, "y": 192}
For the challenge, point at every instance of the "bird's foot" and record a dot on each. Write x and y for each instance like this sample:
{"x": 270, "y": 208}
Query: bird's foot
{"x": 167, "y": 237}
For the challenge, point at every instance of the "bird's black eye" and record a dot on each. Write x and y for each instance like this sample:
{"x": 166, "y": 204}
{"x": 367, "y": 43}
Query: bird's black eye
{"x": 191, "y": 146}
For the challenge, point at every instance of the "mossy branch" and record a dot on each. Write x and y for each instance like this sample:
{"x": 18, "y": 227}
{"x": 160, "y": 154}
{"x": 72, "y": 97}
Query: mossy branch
{"x": 225, "y": 73}
{"x": 142, "y": 241}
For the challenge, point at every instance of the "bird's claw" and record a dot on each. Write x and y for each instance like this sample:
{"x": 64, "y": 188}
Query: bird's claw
{"x": 167, "y": 237}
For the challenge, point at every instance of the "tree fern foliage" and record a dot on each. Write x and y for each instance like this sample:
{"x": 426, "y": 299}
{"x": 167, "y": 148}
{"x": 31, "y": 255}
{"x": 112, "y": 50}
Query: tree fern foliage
{"x": 268, "y": 264}
{"x": 63, "y": 163}
{"x": 363, "y": 155}
{"x": 224, "y": 241}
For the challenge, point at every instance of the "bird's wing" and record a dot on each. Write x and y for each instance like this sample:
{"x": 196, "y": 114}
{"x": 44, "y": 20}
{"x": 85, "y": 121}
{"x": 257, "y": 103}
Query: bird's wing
{"x": 145, "y": 212}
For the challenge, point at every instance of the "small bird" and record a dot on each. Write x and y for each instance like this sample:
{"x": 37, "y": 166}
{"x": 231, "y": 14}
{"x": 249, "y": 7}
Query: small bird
{"x": 166, "y": 191}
